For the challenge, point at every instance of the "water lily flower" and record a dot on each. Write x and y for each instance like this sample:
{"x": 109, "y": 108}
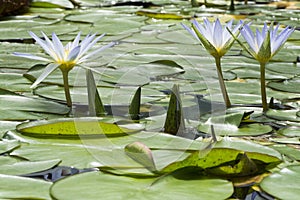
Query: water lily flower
{"x": 64, "y": 57}
{"x": 217, "y": 40}
{"x": 263, "y": 45}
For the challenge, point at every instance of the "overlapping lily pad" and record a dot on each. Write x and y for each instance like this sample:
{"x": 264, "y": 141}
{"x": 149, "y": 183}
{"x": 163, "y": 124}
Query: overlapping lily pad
{"x": 231, "y": 125}
{"x": 93, "y": 184}
{"x": 18, "y": 107}
{"x": 283, "y": 184}
{"x": 28, "y": 188}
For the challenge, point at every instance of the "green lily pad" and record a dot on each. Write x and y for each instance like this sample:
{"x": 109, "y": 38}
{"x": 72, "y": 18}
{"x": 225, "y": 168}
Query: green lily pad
{"x": 290, "y": 131}
{"x": 255, "y": 73}
{"x": 284, "y": 115}
{"x": 8, "y": 145}
{"x": 230, "y": 125}
{"x": 7, "y": 28}
{"x": 52, "y": 4}
{"x": 11, "y": 167}
{"x": 77, "y": 76}
{"x": 7, "y": 126}
{"x": 117, "y": 96}
{"x": 288, "y": 151}
{"x": 284, "y": 184}
{"x": 28, "y": 188}
{"x": 13, "y": 102}
{"x": 293, "y": 140}
{"x": 14, "y": 82}
{"x": 93, "y": 184}
{"x": 291, "y": 85}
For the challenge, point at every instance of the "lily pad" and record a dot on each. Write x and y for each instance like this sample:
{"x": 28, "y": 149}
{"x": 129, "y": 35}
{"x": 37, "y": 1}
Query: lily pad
{"x": 222, "y": 153}
{"x": 28, "y": 188}
{"x": 14, "y": 82}
{"x": 76, "y": 127}
{"x": 290, "y": 131}
{"x": 284, "y": 115}
{"x": 6, "y": 126}
{"x": 291, "y": 85}
{"x": 13, "y": 102}
{"x": 284, "y": 184}
{"x": 12, "y": 167}
{"x": 292, "y": 153}
{"x": 231, "y": 125}
{"x": 9, "y": 145}
{"x": 93, "y": 184}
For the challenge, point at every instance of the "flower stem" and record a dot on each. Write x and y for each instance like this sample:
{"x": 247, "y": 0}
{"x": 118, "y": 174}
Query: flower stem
{"x": 66, "y": 87}
{"x": 263, "y": 87}
{"x": 222, "y": 83}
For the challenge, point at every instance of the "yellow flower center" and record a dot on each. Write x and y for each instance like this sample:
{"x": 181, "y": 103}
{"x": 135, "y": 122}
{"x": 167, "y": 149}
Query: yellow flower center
{"x": 66, "y": 66}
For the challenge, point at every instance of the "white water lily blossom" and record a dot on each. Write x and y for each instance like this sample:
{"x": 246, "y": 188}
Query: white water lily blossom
{"x": 265, "y": 44}
{"x": 216, "y": 39}
{"x": 64, "y": 57}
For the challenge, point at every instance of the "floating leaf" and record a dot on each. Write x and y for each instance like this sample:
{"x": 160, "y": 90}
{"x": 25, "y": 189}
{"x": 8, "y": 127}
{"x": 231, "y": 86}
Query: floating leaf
{"x": 28, "y": 188}
{"x": 25, "y": 167}
{"x": 226, "y": 151}
{"x": 160, "y": 15}
{"x": 52, "y": 4}
{"x": 284, "y": 184}
{"x": 231, "y": 125}
{"x": 179, "y": 186}
{"x": 291, "y": 152}
{"x": 76, "y": 127}
{"x": 284, "y": 115}
{"x": 14, "y": 102}
{"x": 7, "y": 146}
{"x": 290, "y": 131}
{"x": 291, "y": 85}
{"x": 244, "y": 167}
{"x": 6, "y": 126}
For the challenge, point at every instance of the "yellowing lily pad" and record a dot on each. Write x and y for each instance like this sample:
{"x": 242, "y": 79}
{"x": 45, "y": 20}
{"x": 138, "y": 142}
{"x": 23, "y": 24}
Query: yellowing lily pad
{"x": 75, "y": 127}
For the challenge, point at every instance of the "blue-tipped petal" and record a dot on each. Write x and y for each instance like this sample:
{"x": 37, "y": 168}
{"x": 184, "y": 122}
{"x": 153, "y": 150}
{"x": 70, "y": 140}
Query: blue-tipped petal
{"x": 217, "y": 34}
{"x": 259, "y": 38}
{"x": 73, "y": 54}
{"x": 281, "y": 39}
{"x": 192, "y": 32}
{"x": 249, "y": 37}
